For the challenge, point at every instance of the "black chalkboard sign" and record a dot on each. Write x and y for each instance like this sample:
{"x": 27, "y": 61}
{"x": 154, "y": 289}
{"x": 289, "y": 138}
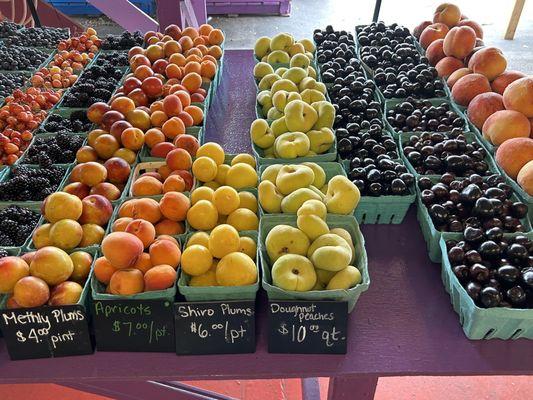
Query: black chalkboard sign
{"x": 307, "y": 327}
{"x": 134, "y": 325}
{"x": 44, "y": 332}
{"x": 215, "y": 327}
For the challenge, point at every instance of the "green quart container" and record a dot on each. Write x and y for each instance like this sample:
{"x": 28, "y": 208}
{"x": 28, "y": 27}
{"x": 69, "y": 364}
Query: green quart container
{"x": 219, "y": 293}
{"x": 334, "y": 221}
{"x": 484, "y": 323}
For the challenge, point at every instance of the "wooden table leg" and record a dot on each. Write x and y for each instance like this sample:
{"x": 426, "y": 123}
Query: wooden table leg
{"x": 352, "y": 387}
{"x": 515, "y": 17}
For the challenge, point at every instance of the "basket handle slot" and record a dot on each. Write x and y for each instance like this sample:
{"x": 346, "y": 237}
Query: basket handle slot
{"x": 489, "y": 334}
{"x": 517, "y": 334}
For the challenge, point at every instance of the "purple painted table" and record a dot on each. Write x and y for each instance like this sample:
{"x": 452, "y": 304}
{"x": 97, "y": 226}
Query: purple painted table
{"x": 403, "y": 325}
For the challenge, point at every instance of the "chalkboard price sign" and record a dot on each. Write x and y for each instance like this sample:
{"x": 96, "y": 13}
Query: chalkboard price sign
{"x": 307, "y": 327}
{"x": 134, "y": 325}
{"x": 224, "y": 327}
{"x": 44, "y": 332}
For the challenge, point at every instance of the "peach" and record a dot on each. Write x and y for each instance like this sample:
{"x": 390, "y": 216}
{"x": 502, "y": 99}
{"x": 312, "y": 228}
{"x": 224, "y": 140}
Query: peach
{"x": 103, "y": 270}
{"x": 161, "y": 150}
{"x": 172, "y": 105}
{"x": 11, "y": 270}
{"x": 106, "y": 189}
{"x": 78, "y": 189}
{"x": 142, "y": 229}
{"x": 146, "y": 186}
{"x": 518, "y": 96}
{"x": 448, "y": 14}
{"x": 446, "y": 66}
{"x": 127, "y": 155}
{"x": 92, "y": 234}
{"x": 456, "y": 75}
{"x": 169, "y": 238}
{"x": 474, "y": 25}
{"x": 165, "y": 252}
{"x": 122, "y": 249}
{"x": 105, "y": 146}
{"x": 435, "y": 52}
{"x": 164, "y": 171}
{"x": 154, "y": 174}
{"x": 92, "y": 173}
{"x": 52, "y": 265}
{"x": 153, "y": 136}
{"x": 126, "y": 282}
{"x": 459, "y": 42}
{"x": 187, "y": 142}
{"x": 187, "y": 177}
{"x": 28, "y": 257}
{"x": 65, "y": 293}
{"x": 96, "y": 112}
{"x": 138, "y": 97}
{"x": 174, "y": 206}
{"x": 86, "y": 154}
{"x": 525, "y": 178}
{"x": 179, "y": 159}
{"x": 468, "y": 87}
{"x": 169, "y": 227}
{"x": 513, "y": 154}
{"x": 96, "y": 210}
{"x": 159, "y": 277}
{"x": 120, "y": 224}
{"x": 82, "y": 262}
{"x": 132, "y": 138}
{"x": 31, "y": 291}
{"x": 144, "y": 263}
{"x": 174, "y": 183}
{"x": 147, "y": 209}
{"x": 92, "y": 135}
{"x": 504, "y": 125}
{"x": 502, "y": 81}
{"x": 488, "y": 61}
{"x": 433, "y": 32}
{"x": 118, "y": 170}
{"x": 482, "y": 106}
{"x": 62, "y": 205}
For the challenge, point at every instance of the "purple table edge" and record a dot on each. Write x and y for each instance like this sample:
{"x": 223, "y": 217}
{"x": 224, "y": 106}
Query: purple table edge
{"x": 403, "y": 325}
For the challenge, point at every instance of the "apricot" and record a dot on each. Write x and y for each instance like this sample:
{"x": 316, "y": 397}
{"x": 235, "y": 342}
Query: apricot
{"x": 215, "y": 51}
{"x": 52, "y": 265}
{"x": 179, "y": 159}
{"x": 164, "y": 171}
{"x": 132, "y": 138}
{"x": 518, "y": 96}
{"x": 126, "y": 282}
{"x": 11, "y": 270}
{"x": 92, "y": 173}
{"x": 446, "y": 66}
{"x": 146, "y": 186}
{"x": 165, "y": 252}
{"x": 174, "y": 183}
{"x": 169, "y": 227}
{"x": 186, "y": 118}
{"x": 504, "y": 125}
{"x": 143, "y": 263}
{"x": 65, "y": 293}
{"x": 196, "y": 113}
{"x": 525, "y": 178}
{"x": 147, "y": 209}
{"x": 468, "y": 87}
{"x": 103, "y": 270}
{"x": 31, "y": 291}
{"x": 122, "y": 249}
{"x": 216, "y": 37}
{"x": 187, "y": 178}
{"x": 488, "y": 61}
{"x": 482, "y": 106}
{"x": 174, "y": 206}
{"x": 192, "y": 81}
{"x": 123, "y": 105}
{"x": 513, "y": 154}
{"x": 159, "y": 277}
{"x": 202, "y": 216}
{"x": 173, "y": 127}
{"x": 153, "y": 136}
{"x": 120, "y": 224}
{"x": 172, "y": 105}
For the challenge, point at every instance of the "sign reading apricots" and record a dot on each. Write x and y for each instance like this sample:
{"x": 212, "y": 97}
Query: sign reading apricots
{"x": 134, "y": 325}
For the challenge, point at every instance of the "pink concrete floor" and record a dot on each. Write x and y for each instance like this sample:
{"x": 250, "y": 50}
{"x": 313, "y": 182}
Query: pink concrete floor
{"x": 397, "y": 388}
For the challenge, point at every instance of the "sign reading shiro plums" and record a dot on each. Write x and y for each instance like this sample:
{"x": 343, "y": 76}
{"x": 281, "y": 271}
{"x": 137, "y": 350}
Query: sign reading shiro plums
{"x": 223, "y": 327}
{"x": 134, "y": 325}
{"x": 44, "y": 332}
{"x": 307, "y": 327}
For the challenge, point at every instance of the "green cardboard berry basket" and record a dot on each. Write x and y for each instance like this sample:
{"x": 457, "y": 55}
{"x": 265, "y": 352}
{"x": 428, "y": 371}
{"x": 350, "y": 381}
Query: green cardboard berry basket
{"x": 65, "y": 113}
{"x": 330, "y": 155}
{"x": 432, "y": 236}
{"x": 389, "y": 104}
{"x": 330, "y": 168}
{"x": 37, "y": 209}
{"x": 481, "y": 139}
{"x": 383, "y": 209}
{"x": 218, "y": 293}
{"x": 22, "y": 160}
{"x": 32, "y": 203}
{"x": 484, "y": 323}
{"x": 470, "y": 138}
{"x": 334, "y": 221}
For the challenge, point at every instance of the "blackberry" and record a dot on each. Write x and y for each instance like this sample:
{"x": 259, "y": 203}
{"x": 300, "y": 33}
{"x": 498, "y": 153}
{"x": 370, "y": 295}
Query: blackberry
{"x": 18, "y": 58}
{"x": 16, "y": 225}
{"x": 24, "y": 183}
{"x": 117, "y": 58}
{"x": 10, "y": 82}
{"x": 122, "y": 42}
{"x": 59, "y": 149}
{"x": 3, "y": 253}
{"x": 38, "y": 37}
